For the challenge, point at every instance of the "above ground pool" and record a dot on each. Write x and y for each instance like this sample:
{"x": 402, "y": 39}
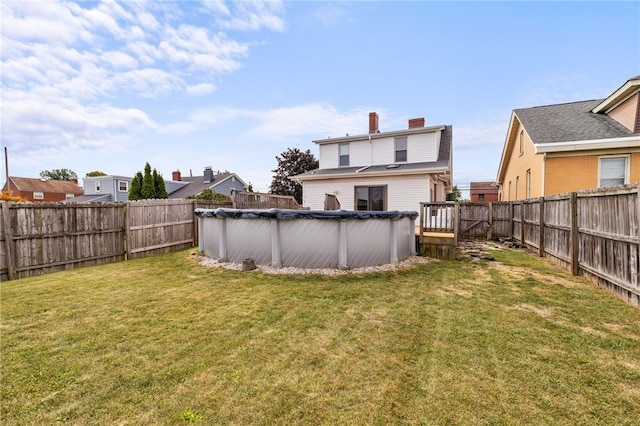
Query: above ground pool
{"x": 307, "y": 238}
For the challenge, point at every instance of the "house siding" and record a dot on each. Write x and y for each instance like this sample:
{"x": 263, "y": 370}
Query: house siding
{"x": 227, "y": 185}
{"x": 402, "y": 191}
{"x": 108, "y": 186}
{"x": 329, "y": 156}
{"x": 627, "y": 112}
{"x": 583, "y": 172}
{"x": 421, "y": 147}
{"x": 516, "y": 173}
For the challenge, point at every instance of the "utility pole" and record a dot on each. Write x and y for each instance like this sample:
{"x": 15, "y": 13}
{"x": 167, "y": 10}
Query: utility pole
{"x": 6, "y": 167}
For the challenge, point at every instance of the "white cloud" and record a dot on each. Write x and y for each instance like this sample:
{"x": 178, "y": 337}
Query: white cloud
{"x": 249, "y": 15}
{"x": 34, "y": 124}
{"x": 201, "y": 89}
{"x": 63, "y": 63}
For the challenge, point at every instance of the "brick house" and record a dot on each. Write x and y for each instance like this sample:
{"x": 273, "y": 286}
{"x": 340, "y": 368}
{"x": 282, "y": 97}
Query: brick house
{"x": 554, "y": 149}
{"x": 483, "y": 192}
{"x": 42, "y": 190}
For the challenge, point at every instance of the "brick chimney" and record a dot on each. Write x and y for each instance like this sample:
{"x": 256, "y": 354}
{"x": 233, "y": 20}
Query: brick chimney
{"x": 176, "y": 175}
{"x": 416, "y": 122}
{"x": 373, "y": 122}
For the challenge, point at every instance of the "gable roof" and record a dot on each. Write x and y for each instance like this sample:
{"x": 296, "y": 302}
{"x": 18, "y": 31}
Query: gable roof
{"x": 196, "y": 184}
{"x": 569, "y": 122}
{"x": 573, "y": 126}
{"x": 48, "y": 186}
{"x": 440, "y": 165}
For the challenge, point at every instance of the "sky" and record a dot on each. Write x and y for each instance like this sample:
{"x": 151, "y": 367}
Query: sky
{"x": 110, "y": 85}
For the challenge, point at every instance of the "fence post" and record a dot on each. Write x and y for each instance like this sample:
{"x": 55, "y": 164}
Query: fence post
{"x": 541, "y": 236}
{"x": 511, "y": 219}
{"x": 490, "y": 222}
{"x": 8, "y": 238}
{"x": 574, "y": 236}
{"x": 522, "y": 223}
{"x": 456, "y": 223}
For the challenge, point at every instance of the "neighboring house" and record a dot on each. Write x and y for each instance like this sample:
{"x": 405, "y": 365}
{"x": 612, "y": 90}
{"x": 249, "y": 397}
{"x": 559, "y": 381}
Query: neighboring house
{"x": 392, "y": 170}
{"x": 222, "y": 183}
{"x": 569, "y": 147}
{"x": 42, "y": 190}
{"x": 483, "y": 192}
{"x": 105, "y": 189}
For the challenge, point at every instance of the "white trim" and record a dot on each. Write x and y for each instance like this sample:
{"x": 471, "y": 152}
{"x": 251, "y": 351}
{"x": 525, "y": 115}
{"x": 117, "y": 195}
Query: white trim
{"x": 625, "y": 91}
{"x": 625, "y": 142}
{"x": 626, "y": 166}
{"x": 363, "y": 138}
{"x": 38, "y": 195}
{"x": 126, "y": 186}
{"x": 371, "y": 174}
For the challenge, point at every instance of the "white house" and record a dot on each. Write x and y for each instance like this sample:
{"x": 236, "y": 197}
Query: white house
{"x": 394, "y": 170}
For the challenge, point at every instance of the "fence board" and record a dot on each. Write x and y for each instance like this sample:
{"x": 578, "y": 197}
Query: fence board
{"x": 159, "y": 226}
{"x": 47, "y": 237}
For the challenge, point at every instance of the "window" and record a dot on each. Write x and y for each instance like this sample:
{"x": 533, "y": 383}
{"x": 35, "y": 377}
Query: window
{"x": 509, "y": 193}
{"x": 401, "y": 149}
{"x": 480, "y": 197}
{"x": 344, "y": 154}
{"x": 97, "y": 186}
{"x": 69, "y": 195}
{"x": 613, "y": 171}
{"x": 517, "y": 185}
{"x": 37, "y": 195}
{"x": 372, "y": 198}
{"x": 521, "y": 142}
{"x": 529, "y": 183}
{"x": 123, "y": 186}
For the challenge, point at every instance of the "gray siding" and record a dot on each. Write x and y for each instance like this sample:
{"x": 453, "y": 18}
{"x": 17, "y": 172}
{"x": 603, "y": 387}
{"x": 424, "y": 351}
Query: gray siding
{"x": 225, "y": 186}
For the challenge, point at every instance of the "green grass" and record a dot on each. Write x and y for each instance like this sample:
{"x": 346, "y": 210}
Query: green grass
{"x": 166, "y": 341}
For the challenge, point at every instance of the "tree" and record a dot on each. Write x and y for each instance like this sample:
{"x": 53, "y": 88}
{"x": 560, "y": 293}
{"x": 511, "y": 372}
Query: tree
{"x": 160, "y": 188}
{"x": 455, "y": 194}
{"x": 148, "y": 190}
{"x": 95, "y": 173}
{"x": 135, "y": 191}
{"x": 8, "y": 196}
{"x": 148, "y": 185}
{"x": 59, "y": 174}
{"x": 292, "y": 162}
{"x": 250, "y": 187}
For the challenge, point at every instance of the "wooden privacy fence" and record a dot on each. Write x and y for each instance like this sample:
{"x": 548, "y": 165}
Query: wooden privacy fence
{"x": 260, "y": 200}
{"x": 595, "y": 233}
{"x": 47, "y": 237}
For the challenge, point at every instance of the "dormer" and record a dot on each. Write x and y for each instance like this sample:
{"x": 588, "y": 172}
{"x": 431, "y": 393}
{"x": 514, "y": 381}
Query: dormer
{"x": 623, "y": 105}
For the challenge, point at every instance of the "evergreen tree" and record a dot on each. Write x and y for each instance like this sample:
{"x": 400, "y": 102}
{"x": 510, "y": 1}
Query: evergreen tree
{"x": 292, "y": 162}
{"x": 160, "y": 188}
{"x": 135, "y": 191}
{"x": 148, "y": 184}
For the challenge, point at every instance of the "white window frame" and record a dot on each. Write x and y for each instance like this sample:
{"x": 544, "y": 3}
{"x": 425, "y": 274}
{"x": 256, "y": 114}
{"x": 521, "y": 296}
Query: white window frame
{"x": 38, "y": 195}
{"x": 97, "y": 186}
{"x": 69, "y": 195}
{"x": 529, "y": 183}
{"x": 401, "y": 140}
{"x": 613, "y": 157}
{"x": 126, "y": 186}
{"x": 341, "y": 154}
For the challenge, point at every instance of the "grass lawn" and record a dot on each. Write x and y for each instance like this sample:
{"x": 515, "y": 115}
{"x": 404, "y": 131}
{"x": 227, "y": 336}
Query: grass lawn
{"x": 167, "y": 341}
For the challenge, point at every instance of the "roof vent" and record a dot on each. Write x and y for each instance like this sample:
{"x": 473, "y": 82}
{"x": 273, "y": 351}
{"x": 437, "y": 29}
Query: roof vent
{"x": 393, "y": 166}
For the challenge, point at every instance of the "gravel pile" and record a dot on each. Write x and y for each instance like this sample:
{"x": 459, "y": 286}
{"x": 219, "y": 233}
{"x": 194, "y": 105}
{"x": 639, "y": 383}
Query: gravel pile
{"x": 412, "y": 260}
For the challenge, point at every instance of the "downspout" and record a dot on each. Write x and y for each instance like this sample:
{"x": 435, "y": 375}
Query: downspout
{"x": 544, "y": 172}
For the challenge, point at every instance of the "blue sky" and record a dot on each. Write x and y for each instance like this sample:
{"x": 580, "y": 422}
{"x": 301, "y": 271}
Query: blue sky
{"x": 182, "y": 85}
